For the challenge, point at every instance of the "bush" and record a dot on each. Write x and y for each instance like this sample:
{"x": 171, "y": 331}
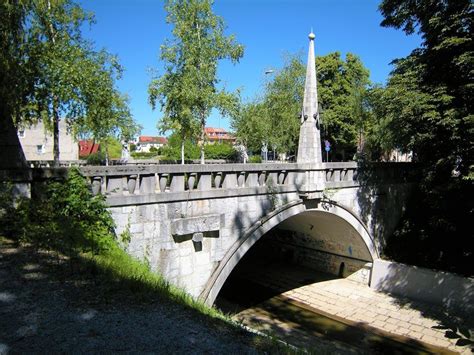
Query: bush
{"x": 96, "y": 159}
{"x": 256, "y": 159}
{"x": 173, "y": 150}
{"x": 62, "y": 216}
{"x": 220, "y": 151}
{"x": 144, "y": 155}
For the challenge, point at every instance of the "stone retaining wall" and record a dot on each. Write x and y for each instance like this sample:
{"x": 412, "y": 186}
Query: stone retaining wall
{"x": 449, "y": 291}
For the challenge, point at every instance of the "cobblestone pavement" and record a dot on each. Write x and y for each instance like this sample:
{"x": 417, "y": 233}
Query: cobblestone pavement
{"x": 361, "y": 304}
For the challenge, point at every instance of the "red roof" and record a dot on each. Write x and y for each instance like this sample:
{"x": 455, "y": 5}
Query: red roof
{"x": 87, "y": 147}
{"x": 214, "y": 130}
{"x": 218, "y": 134}
{"x": 151, "y": 139}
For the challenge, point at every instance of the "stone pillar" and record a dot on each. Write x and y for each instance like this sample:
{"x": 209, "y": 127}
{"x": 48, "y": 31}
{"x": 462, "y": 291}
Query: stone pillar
{"x": 309, "y": 145}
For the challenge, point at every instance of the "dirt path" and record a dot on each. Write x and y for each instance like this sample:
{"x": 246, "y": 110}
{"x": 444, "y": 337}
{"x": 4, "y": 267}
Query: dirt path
{"x": 44, "y": 308}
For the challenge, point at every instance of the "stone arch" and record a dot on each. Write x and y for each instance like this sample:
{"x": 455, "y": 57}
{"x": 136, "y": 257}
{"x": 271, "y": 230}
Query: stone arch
{"x": 260, "y": 228}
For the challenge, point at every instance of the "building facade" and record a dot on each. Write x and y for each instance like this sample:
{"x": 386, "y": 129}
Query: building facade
{"x": 145, "y": 143}
{"x": 219, "y": 135}
{"x": 37, "y": 142}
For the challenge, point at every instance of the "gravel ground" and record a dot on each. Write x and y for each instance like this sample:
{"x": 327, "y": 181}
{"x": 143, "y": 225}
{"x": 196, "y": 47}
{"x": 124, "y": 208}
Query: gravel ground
{"x": 46, "y": 308}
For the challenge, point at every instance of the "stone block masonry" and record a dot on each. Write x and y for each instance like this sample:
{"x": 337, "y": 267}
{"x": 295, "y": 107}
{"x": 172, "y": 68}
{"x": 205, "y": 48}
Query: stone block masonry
{"x": 186, "y": 235}
{"x": 195, "y": 234}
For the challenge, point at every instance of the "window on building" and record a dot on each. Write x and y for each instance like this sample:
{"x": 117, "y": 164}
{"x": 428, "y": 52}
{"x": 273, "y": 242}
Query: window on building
{"x": 40, "y": 149}
{"x": 21, "y": 134}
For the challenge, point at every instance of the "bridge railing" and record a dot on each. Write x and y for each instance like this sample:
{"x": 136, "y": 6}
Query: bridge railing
{"x": 179, "y": 178}
{"x": 340, "y": 174}
{"x": 155, "y": 183}
{"x": 146, "y": 179}
{"x": 348, "y": 174}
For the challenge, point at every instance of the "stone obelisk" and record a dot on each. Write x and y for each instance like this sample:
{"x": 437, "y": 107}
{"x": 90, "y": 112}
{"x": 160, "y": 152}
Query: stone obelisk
{"x": 309, "y": 146}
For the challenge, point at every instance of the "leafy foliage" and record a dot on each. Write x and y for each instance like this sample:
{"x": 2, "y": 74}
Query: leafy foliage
{"x": 342, "y": 91}
{"x": 172, "y": 151}
{"x": 55, "y": 73}
{"x": 64, "y": 216}
{"x": 187, "y": 91}
{"x": 426, "y": 108}
{"x": 111, "y": 147}
{"x": 96, "y": 158}
{"x": 220, "y": 151}
{"x": 144, "y": 155}
{"x": 16, "y": 70}
{"x": 252, "y": 123}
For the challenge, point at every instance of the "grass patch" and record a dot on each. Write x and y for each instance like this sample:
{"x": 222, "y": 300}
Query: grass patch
{"x": 66, "y": 218}
{"x": 77, "y": 230}
{"x": 120, "y": 271}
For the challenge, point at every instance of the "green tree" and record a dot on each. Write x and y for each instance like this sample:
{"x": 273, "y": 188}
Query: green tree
{"x": 252, "y": 124}
{"x": 342, "y": 88}
{"x": 179, "y": 149}
{"x": 187, "y": 91}
{"x": 342, "y": 91}
{"x": 15, "y": 78}
{"x": 15, "y": 69}
{"x": 426, "y": 108}
{"x": 283, "y": 101}
{"x": 441, "y": 71}
{"x": 59, "y": 73}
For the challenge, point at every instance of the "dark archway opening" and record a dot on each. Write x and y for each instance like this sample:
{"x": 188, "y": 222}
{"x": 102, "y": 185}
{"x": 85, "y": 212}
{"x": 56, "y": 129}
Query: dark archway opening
{"x": 305, "y": 249}
{"x": 274, "y": 286}
{"x": 268, "y": 269}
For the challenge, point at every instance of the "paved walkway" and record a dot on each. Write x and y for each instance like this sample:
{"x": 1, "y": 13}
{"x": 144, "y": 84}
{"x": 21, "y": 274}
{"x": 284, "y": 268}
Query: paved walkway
{"x": 360, "y": 304}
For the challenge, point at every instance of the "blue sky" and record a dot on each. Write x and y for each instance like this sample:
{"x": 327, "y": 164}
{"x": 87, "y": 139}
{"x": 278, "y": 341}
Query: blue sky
{"x": 134, "y": 31}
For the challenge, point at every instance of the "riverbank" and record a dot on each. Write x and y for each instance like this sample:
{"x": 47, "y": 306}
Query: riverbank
{"x": 50, "y": 304}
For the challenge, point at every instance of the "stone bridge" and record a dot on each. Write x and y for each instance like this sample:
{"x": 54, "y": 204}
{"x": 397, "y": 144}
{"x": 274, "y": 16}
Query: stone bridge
{"x": 194, "y": 223}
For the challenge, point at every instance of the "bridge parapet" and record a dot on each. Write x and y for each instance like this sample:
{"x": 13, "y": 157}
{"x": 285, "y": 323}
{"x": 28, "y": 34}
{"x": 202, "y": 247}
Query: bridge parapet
{"x": 194, "y": 222}
{"x": 168, "y": 182}
{"x": 138, "y": 184}
{"x": 160, "y": 183}
{"x": 351, "y": 174}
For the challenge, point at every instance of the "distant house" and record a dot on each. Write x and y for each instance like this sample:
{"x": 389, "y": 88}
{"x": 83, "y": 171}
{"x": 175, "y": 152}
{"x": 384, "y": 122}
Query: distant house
{"x": 145, "y": 143}
{"x": 37, "y": 143}
{"x": 87, "y": 147}
{"x": 219, "y": 135}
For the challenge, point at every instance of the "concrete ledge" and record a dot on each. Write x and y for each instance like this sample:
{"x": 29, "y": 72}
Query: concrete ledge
{"x": 450, "y": 291}
{"x": 341, "y": 184}
{"x": 129, "y": 200}
{"x": 190, "y": 225}
{"x": 191, "y": 168}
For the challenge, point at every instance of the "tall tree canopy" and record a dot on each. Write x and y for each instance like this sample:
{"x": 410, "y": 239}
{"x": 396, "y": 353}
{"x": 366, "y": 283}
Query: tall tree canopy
{"x": 15, "y": 67}
{"x": 60, "y": 75}
{"x": 188, "y": 90}
{"x": 274, "y": 119}
{"x": 430, "y": 92}
{"x": 426, "y": 108}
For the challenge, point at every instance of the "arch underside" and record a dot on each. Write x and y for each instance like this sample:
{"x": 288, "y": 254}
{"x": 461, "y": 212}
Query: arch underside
{"x": 328, "y": 226}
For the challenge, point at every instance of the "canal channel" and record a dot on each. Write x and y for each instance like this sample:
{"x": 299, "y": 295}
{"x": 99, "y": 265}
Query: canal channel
{"x": 258, "y": 294}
